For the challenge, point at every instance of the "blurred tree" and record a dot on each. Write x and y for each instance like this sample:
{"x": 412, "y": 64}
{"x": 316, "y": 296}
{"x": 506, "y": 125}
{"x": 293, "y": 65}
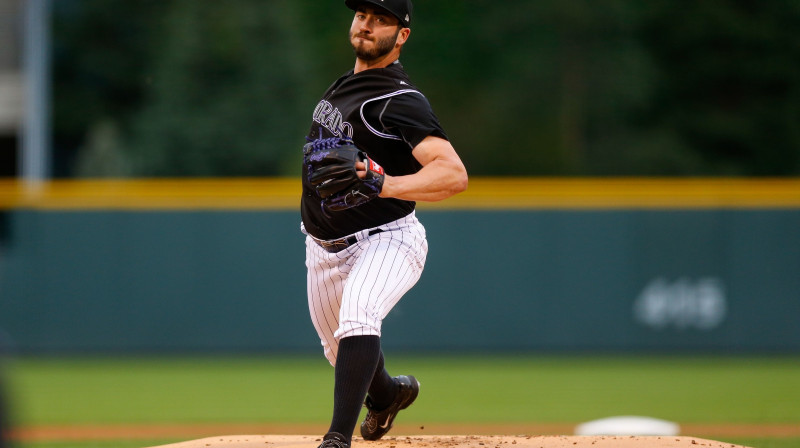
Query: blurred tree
{"x": 225, "y": 92}
{"x": 577, "y": 87}
{"x": 102, "y": 154}
{"x": 192, "y": 88}
{"x": 545, "y": 88}
{"x": 729, "y": 82}
{"x": 101, "y": 50}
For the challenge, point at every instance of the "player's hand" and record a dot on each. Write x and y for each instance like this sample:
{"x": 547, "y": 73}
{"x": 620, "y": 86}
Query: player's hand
{"x": 343, "y": 175}
{"x": 361, "y": 170}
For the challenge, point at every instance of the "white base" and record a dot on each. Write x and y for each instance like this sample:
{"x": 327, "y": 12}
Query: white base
{"x": 628, "y": 426}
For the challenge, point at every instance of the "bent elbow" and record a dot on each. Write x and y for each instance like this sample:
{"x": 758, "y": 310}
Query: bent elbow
{"x": 457, "y": 185}
{"x": 463, "y": 183}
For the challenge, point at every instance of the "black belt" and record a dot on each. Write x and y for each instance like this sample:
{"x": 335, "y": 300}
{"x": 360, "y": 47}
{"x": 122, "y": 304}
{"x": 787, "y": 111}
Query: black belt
{"x": 342, "y": 243}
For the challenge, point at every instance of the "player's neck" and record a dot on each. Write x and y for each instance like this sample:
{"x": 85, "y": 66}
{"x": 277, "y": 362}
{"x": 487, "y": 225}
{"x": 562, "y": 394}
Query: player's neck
{"x": 384, "y": 62}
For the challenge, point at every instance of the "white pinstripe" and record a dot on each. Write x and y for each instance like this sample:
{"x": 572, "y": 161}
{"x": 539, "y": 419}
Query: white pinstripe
{"x": 350, "y": 292}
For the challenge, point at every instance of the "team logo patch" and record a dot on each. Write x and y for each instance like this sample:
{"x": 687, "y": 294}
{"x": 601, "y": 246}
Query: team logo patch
{"x": 373, "y": 166}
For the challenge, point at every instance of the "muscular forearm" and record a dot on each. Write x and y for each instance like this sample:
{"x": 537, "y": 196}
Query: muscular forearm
{"x": 442, "y": 174}
{"x": 438, "y": 180}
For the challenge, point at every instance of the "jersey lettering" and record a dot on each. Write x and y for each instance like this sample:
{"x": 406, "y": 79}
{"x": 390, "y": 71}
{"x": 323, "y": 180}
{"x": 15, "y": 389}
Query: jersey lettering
{"x": 330, "y": 117}
{"x": 393, "y": 118}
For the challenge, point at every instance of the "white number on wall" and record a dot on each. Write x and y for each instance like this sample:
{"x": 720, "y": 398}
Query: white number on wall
{"x": 682, "y": 304}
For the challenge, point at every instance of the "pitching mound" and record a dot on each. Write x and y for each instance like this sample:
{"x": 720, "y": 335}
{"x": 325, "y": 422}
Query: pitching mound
{"x": 254, "y": 441}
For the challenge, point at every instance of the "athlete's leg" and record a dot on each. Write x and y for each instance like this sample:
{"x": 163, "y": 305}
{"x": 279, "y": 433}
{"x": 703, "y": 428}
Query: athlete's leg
{"x": 382, "y": 389}
{"x": 355, "y": 366}
{"x": 326, "y": 275}
{"x": 362, "y": 284}
{"x": 387, "y": 266}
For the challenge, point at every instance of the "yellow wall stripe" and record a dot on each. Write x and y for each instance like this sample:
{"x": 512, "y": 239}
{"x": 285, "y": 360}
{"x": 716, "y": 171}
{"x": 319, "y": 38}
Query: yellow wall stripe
{"x": 483, "y": 193}
{"x": 634, "y": 193}
{"x": 156, "y": 194}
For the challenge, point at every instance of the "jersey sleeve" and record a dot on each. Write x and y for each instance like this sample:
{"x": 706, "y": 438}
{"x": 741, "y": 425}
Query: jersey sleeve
{"x": 408, "y": 116}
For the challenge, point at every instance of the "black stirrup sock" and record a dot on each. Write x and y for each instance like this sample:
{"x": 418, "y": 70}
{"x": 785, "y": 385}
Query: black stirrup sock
{"x": 383, "y": 389}
{"x": 355, "y": 368}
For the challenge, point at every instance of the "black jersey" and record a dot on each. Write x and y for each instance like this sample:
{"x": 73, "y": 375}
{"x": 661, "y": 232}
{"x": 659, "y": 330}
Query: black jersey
{"x": 386, "y": 117}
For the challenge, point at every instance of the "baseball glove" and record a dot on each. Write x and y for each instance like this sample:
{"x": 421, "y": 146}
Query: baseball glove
{"x": 331, "y": 167}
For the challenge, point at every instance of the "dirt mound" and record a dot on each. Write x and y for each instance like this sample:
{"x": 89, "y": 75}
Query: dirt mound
{"x": 262, "y": 441}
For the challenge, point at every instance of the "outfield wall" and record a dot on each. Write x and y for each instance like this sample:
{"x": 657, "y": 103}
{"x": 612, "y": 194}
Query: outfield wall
{"x": 717, "y": 274}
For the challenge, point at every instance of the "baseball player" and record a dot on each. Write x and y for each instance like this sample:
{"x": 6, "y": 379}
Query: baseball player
{"x": 374, "y": 148}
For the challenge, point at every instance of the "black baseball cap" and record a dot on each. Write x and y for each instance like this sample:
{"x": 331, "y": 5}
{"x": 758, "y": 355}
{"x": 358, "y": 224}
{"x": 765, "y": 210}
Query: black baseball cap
{"x": 401, "y": 9}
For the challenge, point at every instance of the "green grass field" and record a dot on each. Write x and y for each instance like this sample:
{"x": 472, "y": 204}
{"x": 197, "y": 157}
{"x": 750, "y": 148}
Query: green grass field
{"x": 479, "y": 390}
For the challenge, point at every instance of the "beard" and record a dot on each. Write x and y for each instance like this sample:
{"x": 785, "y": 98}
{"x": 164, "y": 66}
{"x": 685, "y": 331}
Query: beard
{"x": 381, "y": 48}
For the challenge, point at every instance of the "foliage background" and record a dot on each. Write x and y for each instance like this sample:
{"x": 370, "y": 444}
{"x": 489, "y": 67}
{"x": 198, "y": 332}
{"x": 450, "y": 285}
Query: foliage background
{"x": 546, "y": 88}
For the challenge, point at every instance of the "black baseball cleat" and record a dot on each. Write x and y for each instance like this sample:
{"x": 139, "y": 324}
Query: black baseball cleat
{"x": 334, "y": 440}
{"x": 378, "y": 423}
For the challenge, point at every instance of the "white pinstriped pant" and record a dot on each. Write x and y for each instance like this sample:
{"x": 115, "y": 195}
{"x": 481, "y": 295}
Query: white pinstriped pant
{"x": 350, "y": 292}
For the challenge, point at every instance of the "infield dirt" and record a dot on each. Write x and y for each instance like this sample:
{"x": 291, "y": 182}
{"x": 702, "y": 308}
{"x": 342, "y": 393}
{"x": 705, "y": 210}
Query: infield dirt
{"x": 262, "y": 441}
{"x": 542, "y": 435}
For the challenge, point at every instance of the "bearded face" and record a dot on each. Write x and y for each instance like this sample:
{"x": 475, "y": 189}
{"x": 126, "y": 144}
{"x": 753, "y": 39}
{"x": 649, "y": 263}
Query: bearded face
{"x": 369, "y": 47}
